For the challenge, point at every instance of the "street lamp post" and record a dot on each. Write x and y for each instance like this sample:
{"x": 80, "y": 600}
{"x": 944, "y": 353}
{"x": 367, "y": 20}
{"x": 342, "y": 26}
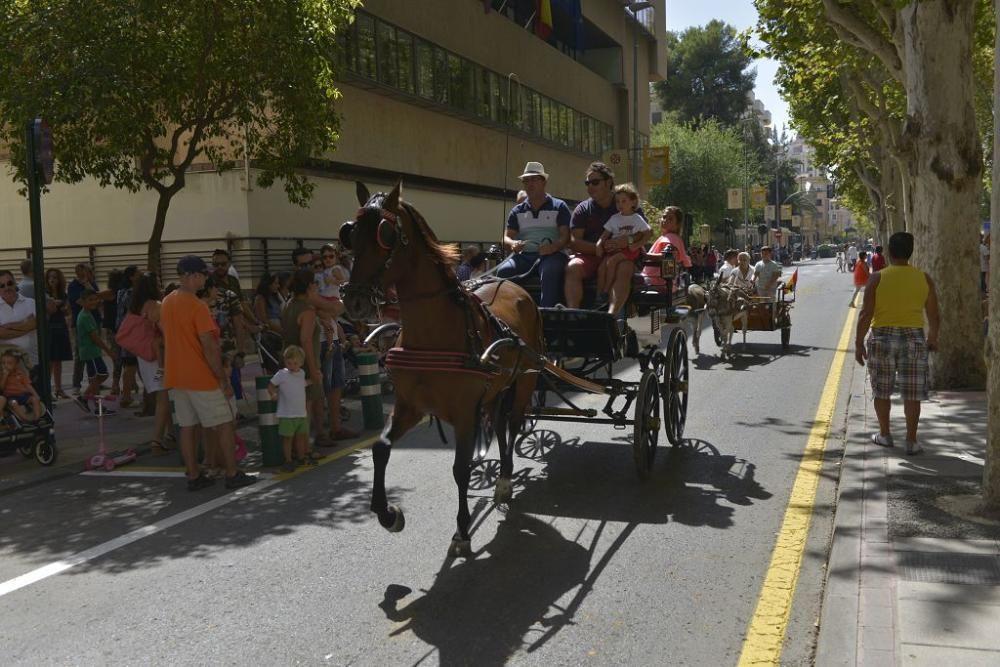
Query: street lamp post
{"x": 635, "y": 8}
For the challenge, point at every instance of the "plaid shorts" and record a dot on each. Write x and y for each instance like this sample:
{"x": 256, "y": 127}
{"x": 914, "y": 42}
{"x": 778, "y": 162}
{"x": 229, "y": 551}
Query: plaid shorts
{"x": 896, "y": 353}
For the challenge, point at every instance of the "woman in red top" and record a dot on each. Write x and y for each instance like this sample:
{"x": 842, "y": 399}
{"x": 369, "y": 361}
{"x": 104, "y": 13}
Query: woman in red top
{"x": 878, "y": 259}
{"x": 860, "y": 276}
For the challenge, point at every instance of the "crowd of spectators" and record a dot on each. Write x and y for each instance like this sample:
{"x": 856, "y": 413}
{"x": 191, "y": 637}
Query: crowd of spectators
{"x": 184, "y": 344}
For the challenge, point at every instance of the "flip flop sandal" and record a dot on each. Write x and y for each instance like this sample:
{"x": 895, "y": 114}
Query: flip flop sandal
{"x": 160, "y": 448}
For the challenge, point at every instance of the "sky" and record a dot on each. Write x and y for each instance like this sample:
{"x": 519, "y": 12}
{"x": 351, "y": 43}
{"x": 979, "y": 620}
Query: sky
{"x": 742, "y": 15}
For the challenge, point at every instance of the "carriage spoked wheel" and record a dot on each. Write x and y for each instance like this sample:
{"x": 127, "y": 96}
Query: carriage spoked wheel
{"x": 537, "y": 401}
{"x": 675, "y": 388}
{"x": 647, "y": 424}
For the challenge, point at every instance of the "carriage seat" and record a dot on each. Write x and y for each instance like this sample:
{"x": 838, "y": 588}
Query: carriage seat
{"x": 644, "y": 296}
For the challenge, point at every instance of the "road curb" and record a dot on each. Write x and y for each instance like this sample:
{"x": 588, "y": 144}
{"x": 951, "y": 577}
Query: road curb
{"x": 838, "y": 624}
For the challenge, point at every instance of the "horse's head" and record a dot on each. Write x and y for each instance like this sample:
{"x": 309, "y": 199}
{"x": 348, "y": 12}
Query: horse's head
{"x": 375, "y": 237}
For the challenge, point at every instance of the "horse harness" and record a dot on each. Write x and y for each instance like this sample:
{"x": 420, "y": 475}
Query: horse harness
{"x": 390, "y": 236}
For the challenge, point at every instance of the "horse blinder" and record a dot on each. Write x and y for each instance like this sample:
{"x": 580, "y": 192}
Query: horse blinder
{"x": 346, "y": 235}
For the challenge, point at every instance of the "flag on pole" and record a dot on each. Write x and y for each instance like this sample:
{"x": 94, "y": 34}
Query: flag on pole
{"x": 543, "y": 18}
{"x": 790, "y": 285}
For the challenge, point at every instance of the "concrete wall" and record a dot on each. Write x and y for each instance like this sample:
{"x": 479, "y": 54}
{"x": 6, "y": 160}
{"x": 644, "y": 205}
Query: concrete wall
{"x": 382, "y": 132}
{"x": 209, "y": 206}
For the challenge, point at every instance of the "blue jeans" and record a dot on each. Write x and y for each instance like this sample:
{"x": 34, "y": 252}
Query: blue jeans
{"x": 551, "y": 272}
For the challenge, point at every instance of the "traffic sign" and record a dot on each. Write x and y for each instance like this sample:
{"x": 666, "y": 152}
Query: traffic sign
{"x": 734, "y": 199}
{"x": 656, "y": 165}
{"x": 44, "y": 158}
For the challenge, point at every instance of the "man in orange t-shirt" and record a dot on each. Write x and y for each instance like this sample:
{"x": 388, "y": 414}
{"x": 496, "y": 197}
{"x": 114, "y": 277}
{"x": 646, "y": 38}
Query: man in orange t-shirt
{"x": 193, "y": 373}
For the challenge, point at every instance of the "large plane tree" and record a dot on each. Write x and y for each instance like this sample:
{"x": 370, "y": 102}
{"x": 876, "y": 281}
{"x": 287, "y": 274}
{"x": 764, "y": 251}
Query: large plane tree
{"x": 137, "y": 91}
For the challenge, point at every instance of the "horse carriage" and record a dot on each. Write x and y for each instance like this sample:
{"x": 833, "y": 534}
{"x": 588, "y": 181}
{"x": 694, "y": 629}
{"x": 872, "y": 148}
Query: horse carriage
{"x": 734, "y": 309}
{"x": 474, "y": 355}
{"x": 771, "y": 314}
{"x": 585, "y": 344}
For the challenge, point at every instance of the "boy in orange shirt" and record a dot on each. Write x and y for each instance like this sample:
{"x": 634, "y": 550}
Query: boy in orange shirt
{"x": 861, "y": 275}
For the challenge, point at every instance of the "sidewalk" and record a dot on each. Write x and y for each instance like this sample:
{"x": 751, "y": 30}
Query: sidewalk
{"x": 912, "y": 580}
{"x": 77, "y": 438}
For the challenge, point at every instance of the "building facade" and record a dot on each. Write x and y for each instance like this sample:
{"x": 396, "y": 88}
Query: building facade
{"x": 451, "y": 96}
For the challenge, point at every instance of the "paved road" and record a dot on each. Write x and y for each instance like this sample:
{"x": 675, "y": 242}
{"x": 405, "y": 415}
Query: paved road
{"x": 588, "y": 566}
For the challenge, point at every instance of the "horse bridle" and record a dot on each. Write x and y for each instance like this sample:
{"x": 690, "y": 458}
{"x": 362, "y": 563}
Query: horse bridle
{"x": 389, "y": 236}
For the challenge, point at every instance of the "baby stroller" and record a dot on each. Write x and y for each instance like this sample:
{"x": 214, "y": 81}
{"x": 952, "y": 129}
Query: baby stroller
{"x": 32, "y": 439}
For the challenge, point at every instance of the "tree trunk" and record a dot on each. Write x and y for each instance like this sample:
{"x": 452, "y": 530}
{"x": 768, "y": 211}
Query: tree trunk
{"x": 991, "y": 470}
{"x": 153, "y": 247}
{"x": 892, "y": 197}
{"x": 944, "y": 174}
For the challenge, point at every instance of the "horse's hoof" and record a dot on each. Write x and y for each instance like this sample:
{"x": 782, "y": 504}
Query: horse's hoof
{"x": 460, "y": 548}
{"x": 503, "y": 491}
{"x": 393, "y": 519}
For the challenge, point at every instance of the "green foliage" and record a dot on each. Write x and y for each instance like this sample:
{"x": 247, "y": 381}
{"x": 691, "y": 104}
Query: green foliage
{"x": 137, "y": 91}
{"x": 710, "y": 74}
{"x": 833, "y": 90}
{"x": 705, "y": 160}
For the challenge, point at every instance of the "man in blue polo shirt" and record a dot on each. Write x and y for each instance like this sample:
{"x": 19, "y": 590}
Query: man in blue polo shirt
{"x": 538, "y": 231}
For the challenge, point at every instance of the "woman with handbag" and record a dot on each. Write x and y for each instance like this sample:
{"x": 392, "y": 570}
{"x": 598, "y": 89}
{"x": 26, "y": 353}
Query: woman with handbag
{"x": 140, "y": 333}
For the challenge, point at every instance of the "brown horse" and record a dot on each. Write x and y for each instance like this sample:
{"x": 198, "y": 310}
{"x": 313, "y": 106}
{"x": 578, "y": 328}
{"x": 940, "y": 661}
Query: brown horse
{"x": 444, "y": 332}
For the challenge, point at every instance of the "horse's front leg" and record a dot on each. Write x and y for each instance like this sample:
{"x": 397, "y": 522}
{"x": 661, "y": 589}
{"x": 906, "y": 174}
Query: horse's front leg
{"x": 403, "y": 418}
{"x": 461, "y": 542}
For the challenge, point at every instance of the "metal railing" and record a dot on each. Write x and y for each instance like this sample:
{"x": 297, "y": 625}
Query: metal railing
{"x": 252, "y": 257}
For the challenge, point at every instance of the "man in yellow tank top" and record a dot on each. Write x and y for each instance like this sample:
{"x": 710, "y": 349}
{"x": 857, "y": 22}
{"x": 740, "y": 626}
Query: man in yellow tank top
{"x": 896, "y": 299}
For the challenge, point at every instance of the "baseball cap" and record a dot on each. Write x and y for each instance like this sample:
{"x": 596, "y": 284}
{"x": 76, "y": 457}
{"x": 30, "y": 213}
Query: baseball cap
{"x": 191, "y": 264}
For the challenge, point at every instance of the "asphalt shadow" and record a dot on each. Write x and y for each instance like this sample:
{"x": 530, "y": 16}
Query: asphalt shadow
{"x": 94, "y": 510}
{"x": 598, "y": 481}
{"x": 483, "y": 610}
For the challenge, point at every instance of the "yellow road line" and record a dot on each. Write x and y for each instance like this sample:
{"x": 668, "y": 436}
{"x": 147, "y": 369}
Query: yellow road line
{"x": 330, "y": 458}
{"x": 766, "y": 634}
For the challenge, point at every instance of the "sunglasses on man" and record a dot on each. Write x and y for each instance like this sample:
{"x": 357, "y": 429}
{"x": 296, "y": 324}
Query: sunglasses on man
{"x": 594, "y": 181}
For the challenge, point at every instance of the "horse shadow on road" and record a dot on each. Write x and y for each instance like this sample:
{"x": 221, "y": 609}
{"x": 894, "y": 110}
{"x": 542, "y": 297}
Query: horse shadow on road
{"x": 515, "y": 594}
{"x": 484, "y": 610}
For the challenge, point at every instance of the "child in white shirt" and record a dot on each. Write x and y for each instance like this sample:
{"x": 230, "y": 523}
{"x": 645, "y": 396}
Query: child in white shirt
{"x": 288, "y": 387}
{"x": 624, "y": 224}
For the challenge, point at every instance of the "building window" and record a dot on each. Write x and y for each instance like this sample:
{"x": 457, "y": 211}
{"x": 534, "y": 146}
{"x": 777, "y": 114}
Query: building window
{"x": 366, "y": 45}
{"x": 425, "y": 70}
{"x": 440, "y": 75}
{"x": 381, "y": 52}
{"x": 404, "y": 51}
{"x": 388, "y": 72}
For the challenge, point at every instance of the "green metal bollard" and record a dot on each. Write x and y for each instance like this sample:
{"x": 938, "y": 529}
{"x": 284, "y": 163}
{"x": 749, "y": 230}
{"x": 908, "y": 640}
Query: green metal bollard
{"x": 371, "y": 390}
{"x": 267, "y": 424}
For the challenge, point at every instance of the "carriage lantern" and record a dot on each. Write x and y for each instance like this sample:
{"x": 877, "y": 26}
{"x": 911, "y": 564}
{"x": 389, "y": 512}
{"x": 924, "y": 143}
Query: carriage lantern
{"x": 668, "y": 266}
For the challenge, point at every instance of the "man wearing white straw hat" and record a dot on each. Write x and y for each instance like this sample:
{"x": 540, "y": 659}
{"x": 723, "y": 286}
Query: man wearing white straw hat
{"x": 537, "y": 234}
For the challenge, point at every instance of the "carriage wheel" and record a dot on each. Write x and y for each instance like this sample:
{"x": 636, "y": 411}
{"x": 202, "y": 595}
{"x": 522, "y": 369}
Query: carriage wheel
{"x": 647, "y": 424}
{"x": 485, "y": 436}
{"x": 675, "y": 388}
{"x": 786, "y": 335}
{"x": 45, "y": 451}
{"x": 537, "y": 401}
